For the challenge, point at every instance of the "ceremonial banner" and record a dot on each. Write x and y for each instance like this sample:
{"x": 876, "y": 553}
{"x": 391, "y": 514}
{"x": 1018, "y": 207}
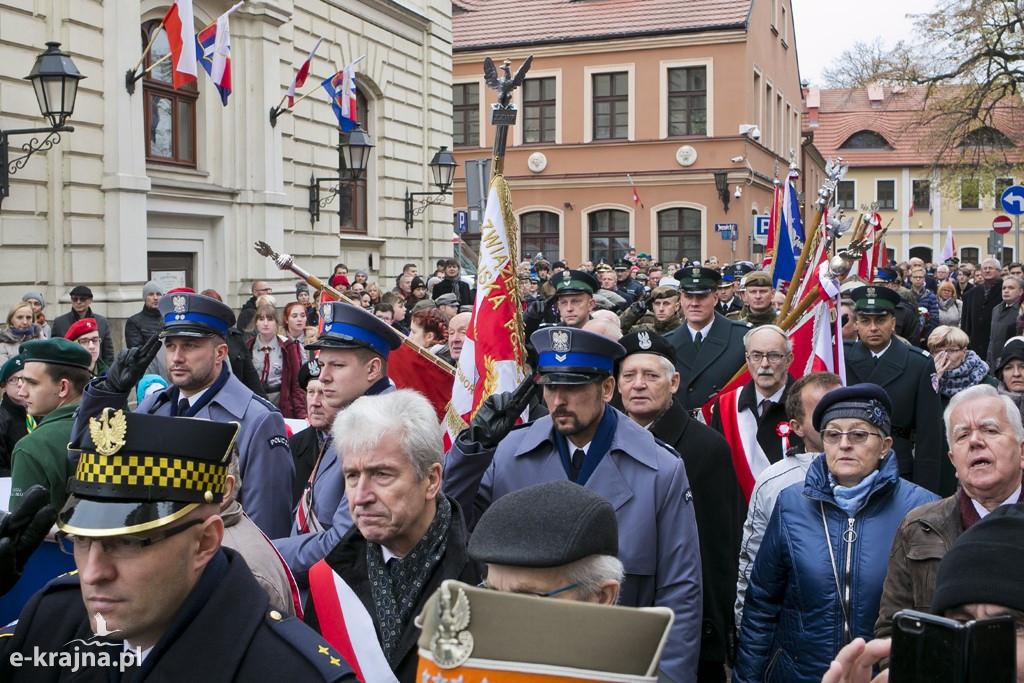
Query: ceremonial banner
{"x": 791, "y": 234}
{"x": 180, "y": 26}
{"x": 492, "y": 354}
{"x": 409, "y": 370}
{"x": 773, "y": 230}
{"x": 300, "y": 77}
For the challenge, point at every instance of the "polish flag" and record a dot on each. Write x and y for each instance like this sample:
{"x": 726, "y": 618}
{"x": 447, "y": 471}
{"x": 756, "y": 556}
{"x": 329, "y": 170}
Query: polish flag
{"x": 181, "y": 35}
{"x": 300, "y": 78}
{"x": 949, "y": 248}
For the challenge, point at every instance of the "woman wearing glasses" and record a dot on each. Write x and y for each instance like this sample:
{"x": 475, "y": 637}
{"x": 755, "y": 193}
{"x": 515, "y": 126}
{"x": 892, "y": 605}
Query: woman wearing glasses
{"x": 817, "y": 578}
{"x": 956, "y": 366}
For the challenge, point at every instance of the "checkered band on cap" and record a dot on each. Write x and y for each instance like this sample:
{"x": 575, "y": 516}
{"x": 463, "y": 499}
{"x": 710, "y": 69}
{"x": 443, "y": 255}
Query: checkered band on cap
{"x": 145, "y": 471}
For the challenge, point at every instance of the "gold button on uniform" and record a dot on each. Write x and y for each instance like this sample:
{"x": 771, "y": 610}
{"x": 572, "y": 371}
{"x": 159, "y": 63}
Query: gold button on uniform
{"x": 275, "y": 615}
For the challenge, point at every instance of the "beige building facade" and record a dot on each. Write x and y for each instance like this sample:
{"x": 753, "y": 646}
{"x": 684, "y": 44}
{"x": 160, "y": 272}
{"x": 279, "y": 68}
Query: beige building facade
{"x": 172, "y": 184}
{"x": 670, "y": 98}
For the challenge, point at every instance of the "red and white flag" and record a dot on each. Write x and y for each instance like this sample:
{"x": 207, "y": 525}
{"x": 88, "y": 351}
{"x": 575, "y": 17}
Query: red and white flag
{"x": 636, "y": 195}
{"x": 492, "y": 353}
{"x": 181, "y": 34}
{"x": 347, "y": 626}
{"x": 949, "y": 248}
{"x": 300, "y": 77}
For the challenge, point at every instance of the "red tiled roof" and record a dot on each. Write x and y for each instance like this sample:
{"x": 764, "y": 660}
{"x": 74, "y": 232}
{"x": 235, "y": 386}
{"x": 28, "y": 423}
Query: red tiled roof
{"x": 478, "y": 24}
{"x": 895, "y": 117}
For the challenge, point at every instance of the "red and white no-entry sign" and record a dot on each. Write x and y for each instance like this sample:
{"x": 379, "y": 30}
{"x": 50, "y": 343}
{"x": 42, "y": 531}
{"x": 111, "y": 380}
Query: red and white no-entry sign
{"x": 1002, "y": 224}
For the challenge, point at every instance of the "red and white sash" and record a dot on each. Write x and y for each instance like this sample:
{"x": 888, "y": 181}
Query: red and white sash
{"x": 740, "y": 428}
{"x": 346, "y": 625}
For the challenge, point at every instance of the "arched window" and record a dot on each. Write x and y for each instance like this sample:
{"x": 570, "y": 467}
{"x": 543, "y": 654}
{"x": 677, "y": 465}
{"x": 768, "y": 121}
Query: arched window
{"x": 609, "y": 235}
{"x": 540, "y": 234}
{"x": 679, "y": 235}
{"x": 865, "y": 139}
{"x": 352, "y": 210}
{"x": 986, "y": 136}
{"x": 170, "y": 115}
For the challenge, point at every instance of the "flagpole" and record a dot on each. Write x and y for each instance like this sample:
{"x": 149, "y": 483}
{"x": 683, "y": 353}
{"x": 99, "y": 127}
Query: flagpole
{"x": 148, "y": 47}
{"x": 287, "y": 262}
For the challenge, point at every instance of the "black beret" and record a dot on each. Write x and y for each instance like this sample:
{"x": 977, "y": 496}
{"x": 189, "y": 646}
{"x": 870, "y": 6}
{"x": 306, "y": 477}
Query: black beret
{"x": 547, "y": 525}
{"x": 647, "y": 342}
{"x": 983, "y": 565}
{"x": 309, "y": 370}
{"x": 13, "y": 365}
{"x": 859, "y": 401}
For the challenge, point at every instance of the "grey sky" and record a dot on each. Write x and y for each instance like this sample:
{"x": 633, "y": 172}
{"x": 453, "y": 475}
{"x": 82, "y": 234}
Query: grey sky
{"x": 824, "y": 28}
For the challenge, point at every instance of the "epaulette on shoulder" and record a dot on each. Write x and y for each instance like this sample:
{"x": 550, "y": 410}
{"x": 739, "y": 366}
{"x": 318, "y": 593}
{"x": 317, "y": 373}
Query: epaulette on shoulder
{"x": 925, "y": 353}
{"x": 311, "y": 645}
{"x": 265, "y": 403}
{"x": 668, "y": 448}
{"x": 521, "y": 426}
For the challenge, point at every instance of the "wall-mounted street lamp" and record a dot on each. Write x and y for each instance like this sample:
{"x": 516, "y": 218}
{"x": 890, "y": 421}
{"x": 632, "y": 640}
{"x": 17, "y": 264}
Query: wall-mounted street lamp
{"x": 353, "y": 156}
{"x": 55, "y": 79}
{"x": 442, "y": 168}
{"x": 722, "y": 185}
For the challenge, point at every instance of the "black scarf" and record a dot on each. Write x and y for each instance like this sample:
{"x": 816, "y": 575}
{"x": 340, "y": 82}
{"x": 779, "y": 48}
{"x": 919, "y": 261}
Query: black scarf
{"x": 397, "y": 588}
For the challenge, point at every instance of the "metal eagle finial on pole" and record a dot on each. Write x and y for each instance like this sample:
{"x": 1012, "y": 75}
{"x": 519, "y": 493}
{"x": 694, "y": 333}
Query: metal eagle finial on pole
{"x": 503, "y": 114}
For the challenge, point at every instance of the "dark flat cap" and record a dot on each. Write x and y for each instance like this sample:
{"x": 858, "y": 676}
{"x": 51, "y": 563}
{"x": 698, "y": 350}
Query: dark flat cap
{"x": 547, "y": 525}
{"x": 866, "y": 401}
{"x": 58, "y": 351}
{"x": 646, "y": 341}
{"x": 82, "y": 290}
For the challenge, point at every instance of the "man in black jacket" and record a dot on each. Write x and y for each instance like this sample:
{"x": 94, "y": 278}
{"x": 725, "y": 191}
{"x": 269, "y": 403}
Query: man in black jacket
{"x": 979, "y": 302}
{"x": 452, "y": 284}
{"x": 81, "y": 307}
{"x": 153, "y": 585}
{"x": 647, "y": 380}
{"x": 147, "y": 322}
{"x": 407, "y": 535}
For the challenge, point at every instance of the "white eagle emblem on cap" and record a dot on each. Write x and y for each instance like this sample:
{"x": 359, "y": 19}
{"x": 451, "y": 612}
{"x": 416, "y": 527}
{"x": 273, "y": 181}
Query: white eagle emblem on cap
{"x": 180, "y": 303}
{"x": 871, "y": 291}
{"x": 644, "y": 340}
{"x": 327, "y": 313}
{"x": 560, "y": 341}
{"x": 695, "y": 272}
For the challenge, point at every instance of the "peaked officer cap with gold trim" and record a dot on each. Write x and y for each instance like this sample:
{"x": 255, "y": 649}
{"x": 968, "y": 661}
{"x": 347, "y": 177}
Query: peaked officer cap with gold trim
{"x": 138, "y": 472}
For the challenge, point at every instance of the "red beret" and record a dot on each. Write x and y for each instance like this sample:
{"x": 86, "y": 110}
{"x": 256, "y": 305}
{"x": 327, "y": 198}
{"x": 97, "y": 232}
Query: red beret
{"x": 83, "y": 326}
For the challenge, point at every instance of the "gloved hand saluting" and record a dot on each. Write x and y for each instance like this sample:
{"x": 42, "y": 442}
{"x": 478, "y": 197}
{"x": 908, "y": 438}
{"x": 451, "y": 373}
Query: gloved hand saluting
{"x": 21, "y": 532}
{"x": 498, "y": 414}
{"x": 129, "y": 367}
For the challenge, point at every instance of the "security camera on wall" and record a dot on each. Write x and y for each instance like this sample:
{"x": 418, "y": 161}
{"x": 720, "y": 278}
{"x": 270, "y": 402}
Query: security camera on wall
{"x": 750, "y": 130}
{"x": 739, "y": 191}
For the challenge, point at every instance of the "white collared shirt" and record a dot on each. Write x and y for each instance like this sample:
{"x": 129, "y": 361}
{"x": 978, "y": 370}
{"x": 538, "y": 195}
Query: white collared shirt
{"x": 194, "y": 398}
{"x": 774, "y": 398}
{"x": 704, "y": 331}
{"x": 982, "y": 512}
{"x": 879, "y": 354}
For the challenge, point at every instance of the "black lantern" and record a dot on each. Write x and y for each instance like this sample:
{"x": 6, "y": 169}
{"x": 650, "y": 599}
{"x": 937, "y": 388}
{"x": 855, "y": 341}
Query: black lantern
{"x": 353, "y": 157}
{"x": 442, "y": 168}
{"x": 55, "y": 79}
{"x": 356, "y": 152}
{"x": 722, "y": 185}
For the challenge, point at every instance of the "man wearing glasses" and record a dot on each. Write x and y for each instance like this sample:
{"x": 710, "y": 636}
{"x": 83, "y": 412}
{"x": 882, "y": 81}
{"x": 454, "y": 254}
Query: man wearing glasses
{"x": 55, "y": 374}
{"x": 86, "y": 334}
{"x": 905, "y": 374}
{"x": 154, "y": 587}
{"x": 752, "y": 418}
{"x": 81, "y": 307}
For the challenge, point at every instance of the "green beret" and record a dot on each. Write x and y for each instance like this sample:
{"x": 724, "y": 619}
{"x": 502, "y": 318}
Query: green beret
{"x": 57, "y": 351}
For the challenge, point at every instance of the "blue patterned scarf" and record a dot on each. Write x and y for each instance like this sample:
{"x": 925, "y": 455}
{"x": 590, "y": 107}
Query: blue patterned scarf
{"x": 851, "y": 498}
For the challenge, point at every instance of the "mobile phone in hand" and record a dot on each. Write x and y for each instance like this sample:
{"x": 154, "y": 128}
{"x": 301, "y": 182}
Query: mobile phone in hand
{"x": 932, "y": 649}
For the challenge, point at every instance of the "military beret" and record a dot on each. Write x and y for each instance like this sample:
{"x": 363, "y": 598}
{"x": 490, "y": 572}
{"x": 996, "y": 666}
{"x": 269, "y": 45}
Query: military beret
{"x": 309, "y": 370}
{"x": 350, "y": 327}
{"x": 570, "y": 356}
{"x": 697, "y": 279}
{"x": 574, "y": 282}
{"x": 874, "y": 300}
{"x": 867, "y": 402}
{"x": 645, "y": 341}
{"x": 80, "y": 327}
{"x": 758, "y": 278}
{"x": 194, "y": 315}
{"x": 668, "y": 291}
{"x": 13, "y": 365}
{"x": 643, "y": 254}
{"x": 546, "y": 525}
{"x": 57, "y": 351}
{"x": 82, "y": 290}
{"x": 558, "y": 264}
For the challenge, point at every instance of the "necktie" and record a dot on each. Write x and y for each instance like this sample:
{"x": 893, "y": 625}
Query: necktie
{"x": 183, "y": 406}
{"x": 697, "y": 338}
{"x": 765, "y": 405}
{"x": 265, "y": 373}
{"x": 577, "y": 464}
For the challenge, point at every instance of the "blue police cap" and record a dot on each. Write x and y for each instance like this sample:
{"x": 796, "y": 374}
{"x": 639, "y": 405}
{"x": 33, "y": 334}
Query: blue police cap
{"x": 194, "y": 315}
{"x": 349, "y": 327}
{"x": 570, "y": 356}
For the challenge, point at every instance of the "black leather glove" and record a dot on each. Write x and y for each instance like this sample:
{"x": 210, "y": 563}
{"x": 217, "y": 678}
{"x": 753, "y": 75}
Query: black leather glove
{"x": 535, "y": 309}
{"x": 498, "y": 414}
{"x": 129, "y": 367}
{"x": 21, "y": 532}
{"x": 639, "y": 308}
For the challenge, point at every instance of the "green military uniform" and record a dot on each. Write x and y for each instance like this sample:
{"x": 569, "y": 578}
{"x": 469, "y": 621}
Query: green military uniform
{"x": 651, "y": 323}
{"x": 745, "y": 315}
{"x": 42, "y": 457}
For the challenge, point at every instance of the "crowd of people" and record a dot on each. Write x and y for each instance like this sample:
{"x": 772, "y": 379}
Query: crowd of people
{"x": 784, "y": 522}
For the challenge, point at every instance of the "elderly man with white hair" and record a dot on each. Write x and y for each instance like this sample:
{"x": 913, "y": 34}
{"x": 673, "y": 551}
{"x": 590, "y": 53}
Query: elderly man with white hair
{"x": 979, "y": 302}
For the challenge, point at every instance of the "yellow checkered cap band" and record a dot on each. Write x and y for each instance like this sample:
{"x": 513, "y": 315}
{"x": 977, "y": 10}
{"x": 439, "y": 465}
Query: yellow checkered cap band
{"x": 147, "y": 471}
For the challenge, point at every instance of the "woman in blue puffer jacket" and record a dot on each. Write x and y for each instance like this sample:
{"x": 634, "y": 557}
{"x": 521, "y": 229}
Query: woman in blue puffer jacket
{"x": 817, "y": 578}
